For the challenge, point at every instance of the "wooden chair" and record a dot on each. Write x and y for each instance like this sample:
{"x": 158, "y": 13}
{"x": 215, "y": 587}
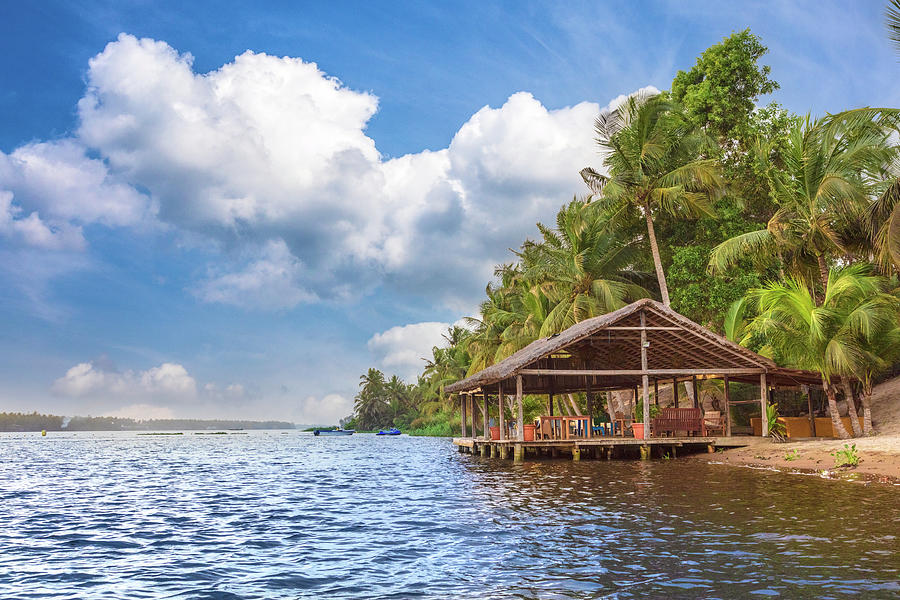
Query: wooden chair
{"x": 712, "y": 422}
{"x": 621, "y": 423}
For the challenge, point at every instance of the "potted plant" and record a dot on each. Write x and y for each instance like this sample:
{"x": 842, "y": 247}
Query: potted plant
{"x": 638, "y": 425}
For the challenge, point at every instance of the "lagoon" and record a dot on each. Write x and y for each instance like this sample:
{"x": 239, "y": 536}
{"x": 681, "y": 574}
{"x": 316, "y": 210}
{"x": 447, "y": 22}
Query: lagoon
{"x": 283, "y": 514}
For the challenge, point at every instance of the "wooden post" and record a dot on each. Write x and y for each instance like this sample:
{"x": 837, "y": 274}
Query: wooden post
{"x": 696, "y": 394}
{"x": 812, "y": 417}
{"x": 520, "y": 418}
{"x": 462, "y": 414}
{"x": 501, "y": 419}
{"x": 656, "y": 392}
{"x": 763, "y": 403}
{"x": 727, "y": 407}
{"x": 550, "y": 402}
{"x": 486, "y": 425}
{"x": 590, "y": 406}
{"x": 474, "y": 429}
{"x": 644, "y": 379}
{"x": 675, "y": 391}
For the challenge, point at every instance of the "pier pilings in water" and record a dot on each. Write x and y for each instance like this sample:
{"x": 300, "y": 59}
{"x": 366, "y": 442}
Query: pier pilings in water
{"x": 599, "y": 448}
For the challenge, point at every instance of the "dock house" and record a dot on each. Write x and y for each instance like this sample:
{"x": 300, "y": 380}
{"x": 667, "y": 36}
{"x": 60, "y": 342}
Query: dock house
{"x": 641, "y": 345}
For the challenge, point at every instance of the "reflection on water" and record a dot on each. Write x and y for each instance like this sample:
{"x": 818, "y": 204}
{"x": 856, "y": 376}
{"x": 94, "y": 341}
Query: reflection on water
{"x": 287, "y": 515}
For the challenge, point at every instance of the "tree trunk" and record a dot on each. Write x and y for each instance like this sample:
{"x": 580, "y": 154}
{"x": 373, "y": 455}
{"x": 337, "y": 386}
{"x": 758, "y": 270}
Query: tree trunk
{"x": 823, "y": 273}
{"x": 851, "y": 406}
{"x": 836, "y": 423}
{"x": 866, "y": 399}
{"x": 657, "y": 261}
{"x": 610, "y": 406}
{"x": 574, "y": 404}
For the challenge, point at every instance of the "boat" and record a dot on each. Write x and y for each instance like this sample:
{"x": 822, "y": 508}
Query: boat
{"x": 391, "y": 431}
{"x": 334, "y": 431}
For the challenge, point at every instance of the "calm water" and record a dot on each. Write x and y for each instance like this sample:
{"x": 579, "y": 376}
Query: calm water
{"x": 287, "y": 515}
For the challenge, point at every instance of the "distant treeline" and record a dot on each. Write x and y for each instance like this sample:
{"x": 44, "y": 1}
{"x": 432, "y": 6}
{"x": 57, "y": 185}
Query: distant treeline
{"x": 38, "y": 422}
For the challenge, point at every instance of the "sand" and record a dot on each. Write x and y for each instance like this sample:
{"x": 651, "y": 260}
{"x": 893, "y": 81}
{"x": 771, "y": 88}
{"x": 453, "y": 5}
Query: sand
{"x": 879, "y": 454}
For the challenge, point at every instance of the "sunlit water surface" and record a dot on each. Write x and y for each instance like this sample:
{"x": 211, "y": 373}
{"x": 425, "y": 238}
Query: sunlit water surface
{"x": 286, "y": 515}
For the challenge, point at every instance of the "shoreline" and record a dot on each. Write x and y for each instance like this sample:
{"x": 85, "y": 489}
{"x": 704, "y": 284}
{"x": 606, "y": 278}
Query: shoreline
{"x": 879, "y": 458}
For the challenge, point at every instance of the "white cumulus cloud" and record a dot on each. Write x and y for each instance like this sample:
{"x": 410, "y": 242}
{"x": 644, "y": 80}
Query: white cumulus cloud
{"x": 401, "y": 349}
{"x": 169, "y": 381}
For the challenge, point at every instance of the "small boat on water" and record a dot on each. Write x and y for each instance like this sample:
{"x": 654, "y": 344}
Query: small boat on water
{"x": 391, "y": 431}
{"x": 334, "y": 432}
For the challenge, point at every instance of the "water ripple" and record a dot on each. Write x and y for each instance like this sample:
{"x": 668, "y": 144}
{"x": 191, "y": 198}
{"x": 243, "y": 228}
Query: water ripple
{"x": 288, "y": 515}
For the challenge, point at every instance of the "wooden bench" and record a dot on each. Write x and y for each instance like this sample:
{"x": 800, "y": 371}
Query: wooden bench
{"x": 672, "y": 420}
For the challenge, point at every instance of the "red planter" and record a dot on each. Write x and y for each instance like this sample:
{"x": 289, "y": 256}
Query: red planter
{"x": 638, "y": 429}
{"x": 528, "y": 430}
{"x": 495, "y": 433}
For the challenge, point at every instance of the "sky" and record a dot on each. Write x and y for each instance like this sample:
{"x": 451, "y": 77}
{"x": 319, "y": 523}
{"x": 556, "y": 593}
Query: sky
{"x": 232, "y": 210}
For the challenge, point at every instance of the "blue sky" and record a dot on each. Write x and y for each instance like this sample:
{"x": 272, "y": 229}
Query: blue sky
{"x": 187, "y": 233}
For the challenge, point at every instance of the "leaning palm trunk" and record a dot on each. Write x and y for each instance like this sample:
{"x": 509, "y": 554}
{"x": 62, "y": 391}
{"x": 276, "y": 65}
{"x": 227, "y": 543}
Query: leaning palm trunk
{"x": 866, "y": 399}
{"x": 574, "y": 404}
{"x": 851, "y": 406}
{"x": 657, "y": 261}
{"x": 836, "y": 425}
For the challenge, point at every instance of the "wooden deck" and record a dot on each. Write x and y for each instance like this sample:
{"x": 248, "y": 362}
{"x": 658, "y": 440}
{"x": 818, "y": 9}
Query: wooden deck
{"x": 602, "y": 447}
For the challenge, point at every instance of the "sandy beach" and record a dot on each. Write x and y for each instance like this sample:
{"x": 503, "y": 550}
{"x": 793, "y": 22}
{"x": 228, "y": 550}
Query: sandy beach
{"x": 879, "y": 454}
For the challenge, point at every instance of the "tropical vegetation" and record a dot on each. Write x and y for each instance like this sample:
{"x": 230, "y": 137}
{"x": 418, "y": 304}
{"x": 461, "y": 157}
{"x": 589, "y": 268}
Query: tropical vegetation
{"x": 780, "y": 231}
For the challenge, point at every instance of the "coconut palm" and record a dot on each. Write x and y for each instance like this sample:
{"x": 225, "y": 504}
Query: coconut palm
{"x": 828, "y": 175}
{"x": 654, "y": 159}
{"x": 833, "y": 338}
{"x": 371, "y": 406}
{"x": 892, "y": 21}
{"x": 581, "y": 267}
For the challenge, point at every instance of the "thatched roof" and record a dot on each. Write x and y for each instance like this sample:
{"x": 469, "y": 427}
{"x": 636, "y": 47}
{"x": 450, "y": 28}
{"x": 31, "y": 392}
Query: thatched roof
{"x": 611, "y": 342}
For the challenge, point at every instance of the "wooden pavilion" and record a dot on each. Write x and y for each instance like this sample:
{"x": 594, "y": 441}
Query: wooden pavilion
{"x": 639, "y": 345}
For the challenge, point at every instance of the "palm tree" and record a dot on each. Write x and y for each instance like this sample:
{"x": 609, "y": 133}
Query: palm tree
{"x": 828, "y": 175}
{"x": 582, "y": 268}
{"x": 833, "y": 338}
{"x": 892, "y": 21}
{"x": 654, "y": 158}
{"x": 370, "y": 405}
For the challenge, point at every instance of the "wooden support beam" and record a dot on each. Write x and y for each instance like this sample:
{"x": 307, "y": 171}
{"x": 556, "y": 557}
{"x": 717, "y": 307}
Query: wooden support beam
{"x": 590, "y": 406}
{"x": 696, "y": 392}
{"x": 812, "y": 417}
{"x": 462, "y": 413}
{"x": 656, "y": 391}
{"x": 763, "y": 404}
{"x": 649, "y": 328}
{"x": 486, "y": 425}
{"x": 727, "y": 407}
{"x": 474, "y": 429}
{"x": 520, "y": 419}
{"x": 612, "y": 373}
{"x": 502, "y": 414}
{"x": 645, "y": 380}
{"x": 675, "y": 391}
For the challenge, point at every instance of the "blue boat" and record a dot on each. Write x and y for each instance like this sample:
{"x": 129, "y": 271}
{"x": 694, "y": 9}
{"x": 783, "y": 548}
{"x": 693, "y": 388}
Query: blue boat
{"x": 391, "y": 431}
{"x": 334, "y": 432}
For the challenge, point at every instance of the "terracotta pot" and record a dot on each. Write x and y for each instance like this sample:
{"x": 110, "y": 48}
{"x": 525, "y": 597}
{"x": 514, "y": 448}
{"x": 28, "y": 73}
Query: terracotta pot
{"x": 528, "y": 430}
{"x": 638, "y": 429}
{"x": 495, "y": 433}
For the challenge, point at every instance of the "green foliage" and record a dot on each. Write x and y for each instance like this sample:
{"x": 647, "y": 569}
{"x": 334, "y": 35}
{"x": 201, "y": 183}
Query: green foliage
{"x": 846, "y": 456}
{"x": 722, "y": 88}
{"x": 776, "y": 427}
{"x": 792, "y": 455}
{"x": 639, "y": 410}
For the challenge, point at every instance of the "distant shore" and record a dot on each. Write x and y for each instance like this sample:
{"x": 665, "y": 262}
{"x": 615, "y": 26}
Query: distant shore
{"x": 24, "y": 422}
